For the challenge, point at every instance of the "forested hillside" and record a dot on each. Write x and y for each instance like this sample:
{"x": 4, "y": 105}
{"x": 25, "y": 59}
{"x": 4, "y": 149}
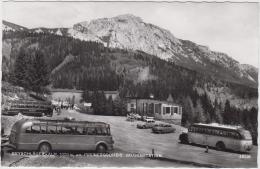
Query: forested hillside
{"x": 73, "y": 63}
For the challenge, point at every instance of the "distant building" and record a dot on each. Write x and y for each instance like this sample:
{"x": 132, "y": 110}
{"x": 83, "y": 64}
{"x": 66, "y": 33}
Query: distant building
{"x": 156, "y": 108}
{"x": 64, "y": 94}
{"x": 112, "y": 94}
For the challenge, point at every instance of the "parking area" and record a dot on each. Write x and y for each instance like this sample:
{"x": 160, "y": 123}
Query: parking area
{"x": 129, "y": 139}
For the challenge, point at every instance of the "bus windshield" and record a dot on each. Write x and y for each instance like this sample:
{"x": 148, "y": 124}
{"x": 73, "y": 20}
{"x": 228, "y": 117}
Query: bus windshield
{"x": 245, "y": 134}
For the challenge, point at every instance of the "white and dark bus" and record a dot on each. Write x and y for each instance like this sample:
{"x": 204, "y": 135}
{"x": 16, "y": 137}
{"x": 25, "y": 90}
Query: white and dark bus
{"x": 48, "y": 135}
{"x": 219, "y": 136}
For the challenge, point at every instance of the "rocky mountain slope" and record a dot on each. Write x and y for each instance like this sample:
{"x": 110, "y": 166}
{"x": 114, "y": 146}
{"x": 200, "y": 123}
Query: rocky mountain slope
{"x": 131, "y": 32}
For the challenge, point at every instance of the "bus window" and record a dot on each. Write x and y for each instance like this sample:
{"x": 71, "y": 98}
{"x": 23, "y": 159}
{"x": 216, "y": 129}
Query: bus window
{"x": 213, "y": 131}
{"x": 59, "y": 131}
{"x": 231, "y": 134}
{"x": 35, "y": 129}
{"x": 221, "y": 133}
{"x": 225, "y": 133}
{"x": 236, "y": 135}
{"x": 43, "y": 129}
{"x": 209, "y": 131}
{"x": 73, "y": 130}
{"x": 104, "y": 131}
{"x": 52, "y": 129}
{"x": 85, "y": 131}
{"x": 91, "y": 131}
{"x": 66, "y": 130}
{"x": 99, "y": 131}
{"x": 80, "y": 131}
{"x": 196, "y": 130}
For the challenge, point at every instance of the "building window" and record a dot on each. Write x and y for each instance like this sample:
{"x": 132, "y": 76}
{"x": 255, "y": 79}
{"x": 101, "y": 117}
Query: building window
{"x": 132, "y": 107}
{"x": 168, "y": 110}
{"x": 175, "y": 110}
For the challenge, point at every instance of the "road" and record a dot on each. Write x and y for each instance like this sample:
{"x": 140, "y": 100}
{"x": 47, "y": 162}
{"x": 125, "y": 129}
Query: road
{"x": 129, "y": 139}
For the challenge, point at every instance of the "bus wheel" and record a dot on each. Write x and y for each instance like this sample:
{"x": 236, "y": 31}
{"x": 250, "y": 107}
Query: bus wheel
{"x": 184, "y": 138}
{"x": 101, "y": 148}
{"x": 220, "y": 146}
{"x": 45, "y": 148}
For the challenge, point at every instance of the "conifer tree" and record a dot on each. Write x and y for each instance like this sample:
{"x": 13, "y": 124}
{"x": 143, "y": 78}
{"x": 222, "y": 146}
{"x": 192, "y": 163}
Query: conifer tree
{"x": 20, "y": 69}
{"x": 227, "y": 113}
{"x": 41, "y": 72}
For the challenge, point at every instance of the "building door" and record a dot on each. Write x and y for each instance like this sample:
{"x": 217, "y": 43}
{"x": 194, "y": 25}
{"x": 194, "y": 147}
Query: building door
{"x": 151, "y": 109}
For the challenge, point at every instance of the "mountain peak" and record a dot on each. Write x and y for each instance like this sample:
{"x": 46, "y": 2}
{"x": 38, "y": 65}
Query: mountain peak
{"x": 128, "y": 17}
{"x": 128, "y": 31}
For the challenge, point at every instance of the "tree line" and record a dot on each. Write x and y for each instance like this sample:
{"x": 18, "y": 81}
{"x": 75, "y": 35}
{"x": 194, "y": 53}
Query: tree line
{"x": 31, "y": 71}
{"x": 103, "y": 106}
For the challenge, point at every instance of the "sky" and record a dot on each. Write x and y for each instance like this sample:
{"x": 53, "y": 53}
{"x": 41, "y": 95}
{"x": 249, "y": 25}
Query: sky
{"x": 231, "y": 28}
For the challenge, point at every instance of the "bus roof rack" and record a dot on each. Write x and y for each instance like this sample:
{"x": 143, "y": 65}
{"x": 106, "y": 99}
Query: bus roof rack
{"x": 227, "y": 126}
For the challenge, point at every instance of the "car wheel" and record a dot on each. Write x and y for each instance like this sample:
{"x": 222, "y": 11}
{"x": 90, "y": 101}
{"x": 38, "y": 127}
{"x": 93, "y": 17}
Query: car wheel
{"x": 220, "y": 146}
{"x": 45, "y": 148}
{"x": 101, "y": 148}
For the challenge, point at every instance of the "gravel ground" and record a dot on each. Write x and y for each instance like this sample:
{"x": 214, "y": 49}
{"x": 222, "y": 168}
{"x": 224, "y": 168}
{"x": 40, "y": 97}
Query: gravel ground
{"x": 129, "y": 139}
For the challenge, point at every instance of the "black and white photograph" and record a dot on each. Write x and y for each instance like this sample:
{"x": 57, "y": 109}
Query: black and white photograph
{"x": 129, "y": 84}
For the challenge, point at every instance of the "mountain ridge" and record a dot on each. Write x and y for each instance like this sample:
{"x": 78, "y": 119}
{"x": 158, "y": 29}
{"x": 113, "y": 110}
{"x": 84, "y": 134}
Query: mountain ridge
{"x": 161, "y": 43}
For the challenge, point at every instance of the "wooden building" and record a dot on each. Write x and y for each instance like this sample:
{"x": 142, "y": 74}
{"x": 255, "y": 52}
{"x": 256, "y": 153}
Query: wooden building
{"x": 155, "y": 108}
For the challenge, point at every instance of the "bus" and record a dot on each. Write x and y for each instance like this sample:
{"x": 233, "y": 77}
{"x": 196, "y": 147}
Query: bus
{"x": 222, "y": 137}
{"x": 46, "y": 135}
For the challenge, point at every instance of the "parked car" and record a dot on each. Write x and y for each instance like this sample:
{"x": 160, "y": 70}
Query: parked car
{"x": 143, "y": 118}
{"x": 149, "y": 123}
{"x": 137, "y": 117}
{"x": 163, "y": 128}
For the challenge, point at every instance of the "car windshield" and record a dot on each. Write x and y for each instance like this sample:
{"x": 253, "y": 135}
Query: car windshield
{"x": 245, "y": 134}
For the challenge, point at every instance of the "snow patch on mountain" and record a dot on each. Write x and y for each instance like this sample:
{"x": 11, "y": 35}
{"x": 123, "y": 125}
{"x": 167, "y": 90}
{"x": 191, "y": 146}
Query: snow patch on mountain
{"x": 7, "y": 28}
{"x": 38, "y": 30}
{"x": 58, "y": 32}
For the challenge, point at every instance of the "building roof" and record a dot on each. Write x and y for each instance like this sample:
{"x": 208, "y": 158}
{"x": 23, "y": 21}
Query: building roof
{"x": 154, "y": 100}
